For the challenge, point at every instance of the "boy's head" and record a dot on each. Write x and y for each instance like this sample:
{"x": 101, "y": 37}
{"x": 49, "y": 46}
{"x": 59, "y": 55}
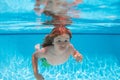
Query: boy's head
{"x": 59, "y": 32}
{"x": 61, "y": 42}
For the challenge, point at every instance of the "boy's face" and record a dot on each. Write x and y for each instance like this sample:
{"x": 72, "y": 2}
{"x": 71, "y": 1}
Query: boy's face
{"x": 61, "y": 42}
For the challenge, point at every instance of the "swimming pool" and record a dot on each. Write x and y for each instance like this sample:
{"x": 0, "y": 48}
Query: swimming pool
{"x": 96, "y": 34}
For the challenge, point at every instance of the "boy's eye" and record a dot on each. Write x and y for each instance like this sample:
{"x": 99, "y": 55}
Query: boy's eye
{"x": 66, "y": 40}
{"x": 59, "y": 40}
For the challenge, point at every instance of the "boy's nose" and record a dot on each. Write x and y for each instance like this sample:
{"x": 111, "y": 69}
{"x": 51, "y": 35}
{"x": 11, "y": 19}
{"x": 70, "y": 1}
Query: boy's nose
{"x": 62, "y": 43}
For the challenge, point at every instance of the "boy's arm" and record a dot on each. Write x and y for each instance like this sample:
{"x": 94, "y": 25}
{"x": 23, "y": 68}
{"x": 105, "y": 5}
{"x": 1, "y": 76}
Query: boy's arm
{"x": 35, "y": 63}
{"x": 76, "y": 54}
{"x": 35, "y": 57}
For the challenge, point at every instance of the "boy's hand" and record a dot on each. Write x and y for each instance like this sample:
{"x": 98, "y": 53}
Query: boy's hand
{"x": 79, "y": 58}
{"x": 39, "y": 77}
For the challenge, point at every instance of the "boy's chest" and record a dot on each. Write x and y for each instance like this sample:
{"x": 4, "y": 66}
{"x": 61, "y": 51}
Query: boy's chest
{"x": 57, "y": 59}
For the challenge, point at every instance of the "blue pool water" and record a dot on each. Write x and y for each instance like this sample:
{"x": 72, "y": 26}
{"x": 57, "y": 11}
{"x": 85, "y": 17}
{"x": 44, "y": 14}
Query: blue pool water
{"x": 96, "y": 34}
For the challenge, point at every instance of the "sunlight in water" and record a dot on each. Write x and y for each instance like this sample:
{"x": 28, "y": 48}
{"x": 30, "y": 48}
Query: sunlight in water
{"x": 20, "y": 68}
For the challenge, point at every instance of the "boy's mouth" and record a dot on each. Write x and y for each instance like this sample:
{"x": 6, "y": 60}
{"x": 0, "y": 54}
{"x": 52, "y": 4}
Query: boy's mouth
{"x": 62, "y": 47}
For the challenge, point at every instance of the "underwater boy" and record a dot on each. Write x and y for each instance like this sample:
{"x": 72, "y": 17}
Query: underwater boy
{"x": 56, "y": 49}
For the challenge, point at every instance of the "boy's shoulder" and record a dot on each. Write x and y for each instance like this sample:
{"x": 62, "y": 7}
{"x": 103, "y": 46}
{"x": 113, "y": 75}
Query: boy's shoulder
{"x": 71, "y": 48}
{"x": 41, "y": 53}
{"x": 46, "y": 49}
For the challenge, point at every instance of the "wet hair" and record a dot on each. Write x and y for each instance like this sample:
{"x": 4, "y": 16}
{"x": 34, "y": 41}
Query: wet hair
{"x": 54, "y": 33}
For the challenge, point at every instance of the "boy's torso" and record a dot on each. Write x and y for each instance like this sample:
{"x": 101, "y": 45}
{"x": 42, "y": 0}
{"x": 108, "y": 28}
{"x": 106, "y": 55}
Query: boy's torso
{"x": 55, "y": 59}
